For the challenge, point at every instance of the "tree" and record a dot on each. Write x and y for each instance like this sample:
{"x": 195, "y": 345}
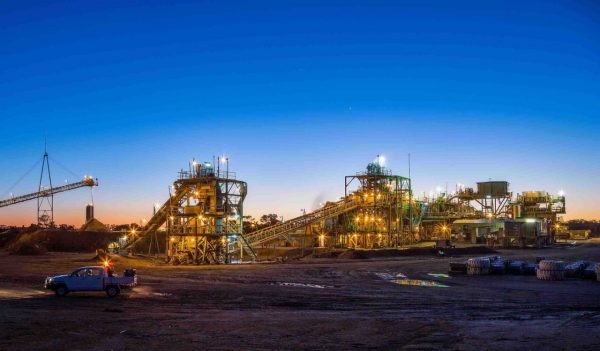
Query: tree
{"x": 269, "y": 220}
{"x": 250, "y": 224}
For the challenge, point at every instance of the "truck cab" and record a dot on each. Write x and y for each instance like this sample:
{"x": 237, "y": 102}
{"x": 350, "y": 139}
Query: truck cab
{"x": 91, "y": 278}
{"x": 85, "y": 278}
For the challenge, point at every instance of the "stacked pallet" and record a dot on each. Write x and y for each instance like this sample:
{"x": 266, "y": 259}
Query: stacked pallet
{"x": 545, "y": 269}
{"x": 478, "y": 266}
{"x": 551, "y": 270}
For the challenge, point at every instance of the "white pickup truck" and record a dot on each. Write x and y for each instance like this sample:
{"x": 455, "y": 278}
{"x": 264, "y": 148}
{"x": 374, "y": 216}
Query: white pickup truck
{"x": 91, "y": 278}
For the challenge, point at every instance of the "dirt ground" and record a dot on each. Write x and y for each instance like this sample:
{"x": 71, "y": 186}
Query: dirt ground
{"x": 311, "y": 304}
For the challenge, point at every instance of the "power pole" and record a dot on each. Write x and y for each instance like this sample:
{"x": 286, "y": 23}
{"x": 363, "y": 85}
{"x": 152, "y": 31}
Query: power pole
{"x": 410, "y": 200}
{"x": 45, "y": 200}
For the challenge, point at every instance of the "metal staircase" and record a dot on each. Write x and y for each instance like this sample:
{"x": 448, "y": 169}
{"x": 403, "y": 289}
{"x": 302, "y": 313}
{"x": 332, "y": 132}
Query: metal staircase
{"x": 423, "y": 210}
{"x": 233, "y": 247}
{"x": 161, "y": 215}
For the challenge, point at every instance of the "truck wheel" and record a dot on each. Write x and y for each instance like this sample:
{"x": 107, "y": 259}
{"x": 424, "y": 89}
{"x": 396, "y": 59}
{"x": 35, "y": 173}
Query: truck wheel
{"x": 112, "y": 291}
{"x": 61, "y": 291}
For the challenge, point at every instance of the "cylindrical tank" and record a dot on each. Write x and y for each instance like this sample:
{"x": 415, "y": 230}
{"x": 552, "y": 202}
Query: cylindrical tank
{"x": 198, "y": 169}
{"x": 516, "y": 211}
{"x": 89, "y": 212}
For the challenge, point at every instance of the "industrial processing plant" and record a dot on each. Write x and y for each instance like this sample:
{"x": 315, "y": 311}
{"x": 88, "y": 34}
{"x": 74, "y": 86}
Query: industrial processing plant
{"x": 201, "y": 221}
{"x": 362, "y": 253}
{"x": 203, "y": 217}
{"x": 300, "y": 175}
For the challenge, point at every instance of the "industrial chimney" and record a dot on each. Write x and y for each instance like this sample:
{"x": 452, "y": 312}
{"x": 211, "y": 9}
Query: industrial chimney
{"x": 89, "y": 213}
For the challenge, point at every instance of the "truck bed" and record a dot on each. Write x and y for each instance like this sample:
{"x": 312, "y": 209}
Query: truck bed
{"x": 122, "y": 281}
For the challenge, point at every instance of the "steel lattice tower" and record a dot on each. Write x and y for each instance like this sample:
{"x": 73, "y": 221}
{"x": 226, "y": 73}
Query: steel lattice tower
{"x": 45, "y": 200}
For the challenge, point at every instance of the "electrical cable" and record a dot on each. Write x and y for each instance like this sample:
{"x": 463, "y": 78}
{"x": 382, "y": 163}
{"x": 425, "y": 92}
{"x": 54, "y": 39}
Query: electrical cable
{"x": 21, "y": 178}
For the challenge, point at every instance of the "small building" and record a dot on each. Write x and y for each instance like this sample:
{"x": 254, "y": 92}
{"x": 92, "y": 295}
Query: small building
{"x": 505, "y": 232}
{"x": 476, "y": 231}
{"x": 579, "y": 234}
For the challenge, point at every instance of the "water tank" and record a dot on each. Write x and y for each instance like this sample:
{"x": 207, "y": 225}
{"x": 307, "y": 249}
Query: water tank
{"x": 493, "y": 188}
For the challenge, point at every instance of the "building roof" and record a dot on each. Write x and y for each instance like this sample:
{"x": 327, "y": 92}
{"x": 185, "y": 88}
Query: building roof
{"x": 492, "y": 221}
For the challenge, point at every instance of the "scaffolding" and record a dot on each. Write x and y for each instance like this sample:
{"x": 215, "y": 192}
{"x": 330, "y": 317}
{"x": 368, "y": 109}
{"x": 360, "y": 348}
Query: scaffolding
{"x": 376, "y": 211}
{"x": 385, "y": 216}
{"x": 203, "y": 217}
{"x": 492, "y": 197}
{"x": 539, "y": 204}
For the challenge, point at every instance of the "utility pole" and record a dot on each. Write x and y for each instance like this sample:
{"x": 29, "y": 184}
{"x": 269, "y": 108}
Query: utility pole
{"x": 226, "y": 161}
{"x": 196, "y": 241}
{"x": 410, "y": 202}
{"x": 45, "y": 201}
{"x": 303, "y": 236}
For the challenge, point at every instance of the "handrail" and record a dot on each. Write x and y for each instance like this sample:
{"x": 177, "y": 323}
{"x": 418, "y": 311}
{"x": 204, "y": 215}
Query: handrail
{"x": 160, "y": 216}
{"x": 281, "y": 229}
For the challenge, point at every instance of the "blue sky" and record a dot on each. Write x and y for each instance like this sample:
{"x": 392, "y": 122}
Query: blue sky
{"x": 298, "y": 94}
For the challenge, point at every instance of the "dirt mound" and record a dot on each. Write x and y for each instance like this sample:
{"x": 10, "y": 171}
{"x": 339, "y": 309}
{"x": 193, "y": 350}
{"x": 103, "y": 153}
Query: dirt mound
{"x": 143, "y": 244}
{"x": 8, "y": 237}
{"x": 101, "y": 255}
{"x": 40, "y": 241}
